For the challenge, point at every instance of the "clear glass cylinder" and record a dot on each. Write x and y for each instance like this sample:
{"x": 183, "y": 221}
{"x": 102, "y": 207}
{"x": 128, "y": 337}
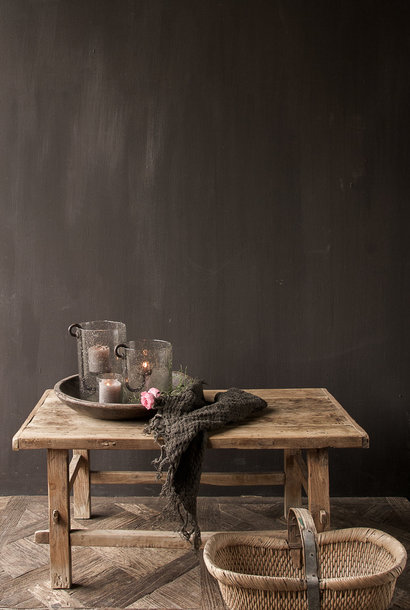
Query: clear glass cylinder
{"x": 96, "y": 343}
{"x": 147, "y": 363}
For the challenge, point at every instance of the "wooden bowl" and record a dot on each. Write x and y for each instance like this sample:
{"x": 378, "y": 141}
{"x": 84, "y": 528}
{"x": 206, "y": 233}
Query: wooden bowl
{"x": 68, "y": 391}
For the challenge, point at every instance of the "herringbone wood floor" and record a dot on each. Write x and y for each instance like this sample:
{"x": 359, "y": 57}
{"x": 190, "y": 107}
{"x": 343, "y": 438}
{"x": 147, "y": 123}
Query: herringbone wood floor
{"x": 153, "y": 578}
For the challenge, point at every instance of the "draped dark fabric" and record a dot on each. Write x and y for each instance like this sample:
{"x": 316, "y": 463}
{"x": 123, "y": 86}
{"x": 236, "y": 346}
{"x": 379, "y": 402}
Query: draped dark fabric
{"x": 180, "y": 427}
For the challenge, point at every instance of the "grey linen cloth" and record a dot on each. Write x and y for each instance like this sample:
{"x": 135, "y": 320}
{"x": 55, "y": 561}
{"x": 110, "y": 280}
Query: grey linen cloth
{"x": 180, "y": 427}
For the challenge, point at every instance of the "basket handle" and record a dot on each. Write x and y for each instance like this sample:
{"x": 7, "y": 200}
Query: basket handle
{"x": 302, "y": 545}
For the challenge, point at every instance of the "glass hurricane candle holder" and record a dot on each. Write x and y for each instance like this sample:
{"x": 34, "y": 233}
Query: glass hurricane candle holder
{"x": 96, "y": 343}
{"x": 147, "y": 363}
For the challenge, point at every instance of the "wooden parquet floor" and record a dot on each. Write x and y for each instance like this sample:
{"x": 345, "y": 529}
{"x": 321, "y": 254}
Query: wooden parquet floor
{"x": 156, "y": 578}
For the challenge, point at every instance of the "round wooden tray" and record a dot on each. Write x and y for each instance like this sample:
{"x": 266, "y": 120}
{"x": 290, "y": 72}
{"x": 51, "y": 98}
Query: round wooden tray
{"x": 68, "y": 391}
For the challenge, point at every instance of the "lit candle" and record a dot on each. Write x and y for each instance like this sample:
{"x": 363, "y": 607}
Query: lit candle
{"x": 109, "y": 390}
{"x": 99, "y": 359}
{"x": 146, "y": 375}
{"x": 146, "y": 368}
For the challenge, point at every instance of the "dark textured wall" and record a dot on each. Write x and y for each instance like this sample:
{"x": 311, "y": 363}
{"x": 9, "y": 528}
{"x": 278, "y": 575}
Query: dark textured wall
{"x": 231, "y": 176}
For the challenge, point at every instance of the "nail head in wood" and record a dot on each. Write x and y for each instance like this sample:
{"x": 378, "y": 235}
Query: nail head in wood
{"x": 323, "y": 517}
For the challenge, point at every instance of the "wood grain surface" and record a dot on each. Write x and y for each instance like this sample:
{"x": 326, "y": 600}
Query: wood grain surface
{"x": 59, "y": 518}
{"x": 294, "y": 418}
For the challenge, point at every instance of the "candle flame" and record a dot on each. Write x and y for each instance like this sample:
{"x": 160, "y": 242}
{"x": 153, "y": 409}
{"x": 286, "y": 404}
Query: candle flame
{"x": 145, "y": 365}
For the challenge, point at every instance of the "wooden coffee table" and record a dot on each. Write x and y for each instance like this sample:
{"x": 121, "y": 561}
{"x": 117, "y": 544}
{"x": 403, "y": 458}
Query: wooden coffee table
{"x": 303, "y": 423}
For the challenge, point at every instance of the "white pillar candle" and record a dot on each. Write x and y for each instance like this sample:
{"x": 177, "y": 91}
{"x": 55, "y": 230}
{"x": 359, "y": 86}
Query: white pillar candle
{"x": 109, "y": 390}
{"x": 99, "y": 359}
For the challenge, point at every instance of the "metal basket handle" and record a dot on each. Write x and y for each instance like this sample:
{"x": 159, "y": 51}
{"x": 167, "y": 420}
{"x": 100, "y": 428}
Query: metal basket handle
{"x": 302, "y": 544}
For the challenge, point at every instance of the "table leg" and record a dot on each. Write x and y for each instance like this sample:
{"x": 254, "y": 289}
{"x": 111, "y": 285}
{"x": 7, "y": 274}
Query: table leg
{"x": 59, "y": 518}
{"x": 81, "y": 486}
{"x": 293, "y": 487}
{"x": 318, "y": 487}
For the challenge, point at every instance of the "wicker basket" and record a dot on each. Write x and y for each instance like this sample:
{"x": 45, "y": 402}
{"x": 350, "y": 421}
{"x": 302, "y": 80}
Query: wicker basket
{"x": 356, "y": 568}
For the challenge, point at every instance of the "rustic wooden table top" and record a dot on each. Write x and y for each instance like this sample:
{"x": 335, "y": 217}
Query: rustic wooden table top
{"x": 294, "y": 418}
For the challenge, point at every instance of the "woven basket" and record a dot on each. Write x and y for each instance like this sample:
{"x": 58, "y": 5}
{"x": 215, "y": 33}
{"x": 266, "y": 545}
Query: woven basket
{"x": 356, "y": 568}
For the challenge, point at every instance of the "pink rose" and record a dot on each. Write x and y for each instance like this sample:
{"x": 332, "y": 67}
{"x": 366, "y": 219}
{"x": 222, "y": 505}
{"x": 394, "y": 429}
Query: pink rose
{"x": 147, "y": 400}
{"x": 155, "y": 392}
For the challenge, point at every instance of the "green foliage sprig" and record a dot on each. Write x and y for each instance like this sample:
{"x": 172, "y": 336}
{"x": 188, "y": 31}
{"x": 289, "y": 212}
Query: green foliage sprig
{"x": 184, "y": 381}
